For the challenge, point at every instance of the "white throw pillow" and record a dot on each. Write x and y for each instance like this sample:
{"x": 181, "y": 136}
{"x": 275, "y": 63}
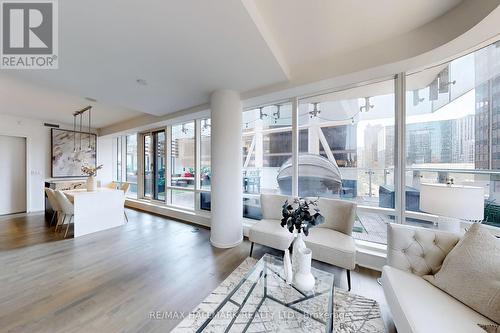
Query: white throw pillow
{"x": 471, "y": 272}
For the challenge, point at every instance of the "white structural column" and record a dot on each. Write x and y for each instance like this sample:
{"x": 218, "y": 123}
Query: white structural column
{"x": 227, "y": 198}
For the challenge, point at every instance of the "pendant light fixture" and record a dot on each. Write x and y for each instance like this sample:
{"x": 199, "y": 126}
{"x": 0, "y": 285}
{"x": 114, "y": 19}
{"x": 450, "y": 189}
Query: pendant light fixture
{"x": 80, "y": 148}
{"x": 78, "y": 118}
{"x": 74, "y": 132}
{"x": 89, "y": 147}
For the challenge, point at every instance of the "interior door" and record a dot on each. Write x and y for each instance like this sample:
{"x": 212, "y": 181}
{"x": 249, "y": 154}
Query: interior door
{"x": 12, "y": 175}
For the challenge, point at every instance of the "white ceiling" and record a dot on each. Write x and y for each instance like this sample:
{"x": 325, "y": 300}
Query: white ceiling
{"x": 184, "y": 50}
{"x": 19, "y": 98}
{"x": 308, "y": 31}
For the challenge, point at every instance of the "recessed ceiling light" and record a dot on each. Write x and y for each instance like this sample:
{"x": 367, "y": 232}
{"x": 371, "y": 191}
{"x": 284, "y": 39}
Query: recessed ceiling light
{"x": 90, "y": 99}
{"x": 141, "y": 82}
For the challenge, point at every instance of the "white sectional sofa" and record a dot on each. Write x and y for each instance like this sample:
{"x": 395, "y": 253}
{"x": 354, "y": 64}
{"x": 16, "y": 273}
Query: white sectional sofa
{"x": 416, "y": 305}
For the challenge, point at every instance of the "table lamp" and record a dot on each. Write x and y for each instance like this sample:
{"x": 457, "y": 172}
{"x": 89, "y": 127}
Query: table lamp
{"x": 452, "y": 203}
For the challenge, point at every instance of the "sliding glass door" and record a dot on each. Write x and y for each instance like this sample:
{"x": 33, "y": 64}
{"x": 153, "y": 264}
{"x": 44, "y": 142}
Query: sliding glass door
{"x": 159, "y": 165}
{"x": 154, "y": 165}
{"x": 148, "y": 165}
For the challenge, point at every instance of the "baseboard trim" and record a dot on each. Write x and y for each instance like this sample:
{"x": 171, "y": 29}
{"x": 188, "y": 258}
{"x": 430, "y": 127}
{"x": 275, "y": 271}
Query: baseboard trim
{"x": 225, "y": 246}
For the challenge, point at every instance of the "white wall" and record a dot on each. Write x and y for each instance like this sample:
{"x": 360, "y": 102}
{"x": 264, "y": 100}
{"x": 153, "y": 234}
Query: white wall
{"x": 38, "y": 154}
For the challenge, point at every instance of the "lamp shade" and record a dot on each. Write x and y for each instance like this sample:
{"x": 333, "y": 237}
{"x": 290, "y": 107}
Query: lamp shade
{"x": 461, "y": 202}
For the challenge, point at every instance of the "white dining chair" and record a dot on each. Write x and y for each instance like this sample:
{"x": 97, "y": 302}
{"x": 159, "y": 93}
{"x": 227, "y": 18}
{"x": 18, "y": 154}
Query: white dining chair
{"x": 112, "y": 185}
{"x": 125, "y": 187}
{"x": 54, "y": 204}
{"x": 67, "y": 208}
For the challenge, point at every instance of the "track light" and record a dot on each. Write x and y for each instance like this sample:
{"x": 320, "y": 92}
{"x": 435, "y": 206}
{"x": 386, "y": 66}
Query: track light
{"x": 315, "y": 112}
{"x": 262, "y": 114}
{"x": 367, "y": 105}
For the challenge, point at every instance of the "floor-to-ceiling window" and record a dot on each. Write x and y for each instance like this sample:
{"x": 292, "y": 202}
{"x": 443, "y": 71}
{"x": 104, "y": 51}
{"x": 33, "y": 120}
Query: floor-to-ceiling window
{"x": 183, "y": 176}
{"x": 346, "y": 151}
{"x": 453, "y": 130}
{"x": 118, "y": 155}
{"x": 267, "y": 150}
{"x": 347, "y": 143}
{"x": 205, "y": 155}
{"x": 205, "y": 164}
{"x": 125, "y": 162}
{"x": 186, "y": 147}
{"x": 131, "y": 160}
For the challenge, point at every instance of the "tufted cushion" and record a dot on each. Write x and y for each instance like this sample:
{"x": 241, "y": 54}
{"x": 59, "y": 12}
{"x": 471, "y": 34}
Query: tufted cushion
{"x": 417, "y": 250}
{"x": 339, "y": 214}
{"x": 271, "y": 205}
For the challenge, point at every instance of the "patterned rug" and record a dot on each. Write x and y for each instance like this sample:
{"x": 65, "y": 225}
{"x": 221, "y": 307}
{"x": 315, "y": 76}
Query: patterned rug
{"x": 351, "y": 313}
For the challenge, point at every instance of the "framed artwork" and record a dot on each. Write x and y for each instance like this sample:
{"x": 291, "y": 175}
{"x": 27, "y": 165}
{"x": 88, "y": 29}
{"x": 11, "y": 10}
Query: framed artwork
{"x": 71, "y": 150}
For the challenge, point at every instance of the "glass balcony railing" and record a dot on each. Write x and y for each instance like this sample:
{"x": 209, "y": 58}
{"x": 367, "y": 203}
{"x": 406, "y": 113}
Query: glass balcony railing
{"x": 374, "y": 192}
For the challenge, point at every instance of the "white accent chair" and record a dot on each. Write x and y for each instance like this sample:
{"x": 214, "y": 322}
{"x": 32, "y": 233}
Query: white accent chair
{"x": 331, "y": 242}
{"x": 67, "y": 209}
{"x": 54, "y": 204}
{"x": 268, "y": 231}
{"x": 417, "y": 305}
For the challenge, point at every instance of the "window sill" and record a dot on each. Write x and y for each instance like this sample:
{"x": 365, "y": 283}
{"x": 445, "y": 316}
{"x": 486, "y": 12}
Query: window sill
{"x": 196, "y": 217}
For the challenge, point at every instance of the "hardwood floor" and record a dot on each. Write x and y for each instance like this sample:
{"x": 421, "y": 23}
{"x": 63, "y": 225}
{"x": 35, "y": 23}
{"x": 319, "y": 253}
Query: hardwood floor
{"x": 111, "y": 281}
{"x": 23, "y": 230}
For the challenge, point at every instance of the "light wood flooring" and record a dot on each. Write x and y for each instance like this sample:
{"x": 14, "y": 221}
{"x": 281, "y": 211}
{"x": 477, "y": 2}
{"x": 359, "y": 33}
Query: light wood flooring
{"x": 112, "y": 280}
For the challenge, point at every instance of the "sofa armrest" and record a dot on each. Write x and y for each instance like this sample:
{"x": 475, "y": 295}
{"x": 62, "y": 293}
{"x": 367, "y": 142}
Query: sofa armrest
{"x": 418, "y": 250}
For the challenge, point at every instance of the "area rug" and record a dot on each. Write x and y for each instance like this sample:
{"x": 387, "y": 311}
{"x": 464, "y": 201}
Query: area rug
{"x": 351, "y": 313}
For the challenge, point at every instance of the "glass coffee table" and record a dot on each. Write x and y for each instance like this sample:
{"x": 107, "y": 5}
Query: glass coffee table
{"x": 263, "y": 302}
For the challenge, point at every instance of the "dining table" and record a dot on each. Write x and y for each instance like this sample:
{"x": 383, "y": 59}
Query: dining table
{"x": 97, "y": 210}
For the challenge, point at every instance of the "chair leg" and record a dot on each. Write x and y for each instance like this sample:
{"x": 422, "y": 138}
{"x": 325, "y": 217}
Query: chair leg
{"x": 67, "y": 228}
{"x": 62, "y": 222}
{"x": 126, "y": 218}
{"x": 52, "y": 219}
{"x": 251, "y": 249}
{"x": 348, "y": 280}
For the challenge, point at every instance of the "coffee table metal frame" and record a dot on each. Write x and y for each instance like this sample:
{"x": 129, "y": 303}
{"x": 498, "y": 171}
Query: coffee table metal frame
{"x": 305, "y": 296}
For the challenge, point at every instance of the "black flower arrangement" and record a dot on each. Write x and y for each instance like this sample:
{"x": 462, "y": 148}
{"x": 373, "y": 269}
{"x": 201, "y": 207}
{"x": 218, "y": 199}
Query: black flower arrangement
{"x": 297, "y": 215}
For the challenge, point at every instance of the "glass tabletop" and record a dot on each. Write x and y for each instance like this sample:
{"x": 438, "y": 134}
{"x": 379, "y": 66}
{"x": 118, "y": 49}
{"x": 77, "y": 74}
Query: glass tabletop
{"x": 263, "y": 302}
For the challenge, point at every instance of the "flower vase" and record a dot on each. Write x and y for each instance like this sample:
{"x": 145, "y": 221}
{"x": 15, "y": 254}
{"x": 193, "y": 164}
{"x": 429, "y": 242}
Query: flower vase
{"x": 298, "y": 244}
{"x": 91, "y": 184}
{"x": 287, "y": 267}
{"x": 303, "y": 278}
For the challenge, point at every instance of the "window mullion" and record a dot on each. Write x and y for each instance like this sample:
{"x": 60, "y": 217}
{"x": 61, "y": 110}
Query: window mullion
{"x": 400, "y": 149}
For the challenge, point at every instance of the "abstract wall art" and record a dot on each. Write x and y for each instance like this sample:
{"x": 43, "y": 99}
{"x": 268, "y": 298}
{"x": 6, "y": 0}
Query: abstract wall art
{"x": 70, "y": 150}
